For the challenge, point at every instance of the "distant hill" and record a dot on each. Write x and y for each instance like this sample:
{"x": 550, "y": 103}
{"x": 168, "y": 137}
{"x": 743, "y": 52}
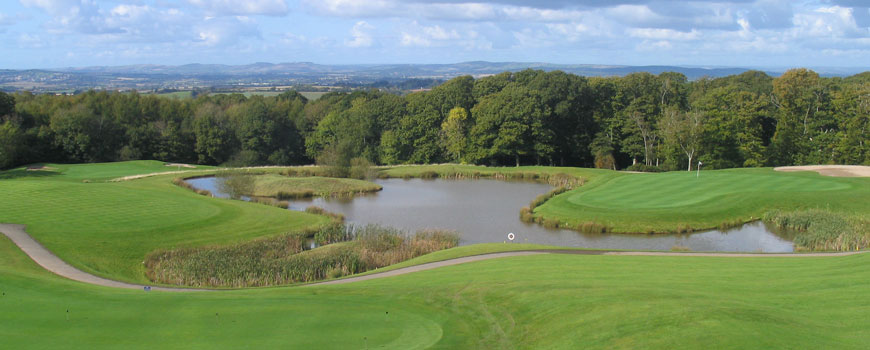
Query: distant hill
{"x": 189, "y": 76}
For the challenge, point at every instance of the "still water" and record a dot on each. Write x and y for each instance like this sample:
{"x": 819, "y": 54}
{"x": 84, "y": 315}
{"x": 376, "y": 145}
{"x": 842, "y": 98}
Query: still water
{"x": 484, "y": 211}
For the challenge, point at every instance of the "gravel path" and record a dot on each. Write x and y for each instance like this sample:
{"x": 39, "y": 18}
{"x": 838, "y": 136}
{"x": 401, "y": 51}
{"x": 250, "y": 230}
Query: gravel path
{"x": 52, "y": 263}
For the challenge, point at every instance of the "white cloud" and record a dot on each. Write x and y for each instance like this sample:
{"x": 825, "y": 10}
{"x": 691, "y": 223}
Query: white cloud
{"x": 292, "y": 39}
{"x": 31, "y": 41}
{"x": 247, "y": 7}
{"x": 360, "y": 35}
{"x": 529, "y": 38}
{"x": 225, "y": 30}
{"x": 6, "y": 20}
{"x": 425, "y": 36}
{"x": 663, "y": 34}
{"x": 829, "y": 22}
{"x": 351, "y": 8}
{"x": 655, "y": 45}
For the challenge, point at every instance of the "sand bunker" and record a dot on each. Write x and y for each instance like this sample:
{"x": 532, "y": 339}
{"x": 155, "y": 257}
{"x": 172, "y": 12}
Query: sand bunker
{"x": 179, "y": 165}
{"x": 831, "y": 170}
{"x": 40, "y": 168}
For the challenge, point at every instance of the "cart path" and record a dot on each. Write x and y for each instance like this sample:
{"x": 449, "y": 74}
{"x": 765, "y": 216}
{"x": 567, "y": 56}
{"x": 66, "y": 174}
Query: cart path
{"x": 52, "y": 263}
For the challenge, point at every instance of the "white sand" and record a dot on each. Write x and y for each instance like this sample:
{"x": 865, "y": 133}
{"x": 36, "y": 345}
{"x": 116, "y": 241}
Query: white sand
{"x": 831, "y": 170}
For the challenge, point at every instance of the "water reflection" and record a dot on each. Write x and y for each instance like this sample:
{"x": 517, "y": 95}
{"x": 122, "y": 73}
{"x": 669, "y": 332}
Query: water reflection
{"x": 487, "y": 210}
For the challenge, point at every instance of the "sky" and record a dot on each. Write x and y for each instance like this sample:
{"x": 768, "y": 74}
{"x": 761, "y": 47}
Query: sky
{"x": 735, "y": 33}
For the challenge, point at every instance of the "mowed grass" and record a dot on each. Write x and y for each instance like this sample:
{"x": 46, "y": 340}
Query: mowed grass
{"x": 107, "y": 228}
{"x": 272, "y": 185}
{"x": 531, "y": 302}
{"x": 663, "y": 202}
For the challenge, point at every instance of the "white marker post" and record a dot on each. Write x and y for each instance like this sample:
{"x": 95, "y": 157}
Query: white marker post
{"x": 511, "y": 236}
{"x": 699, "y": 169}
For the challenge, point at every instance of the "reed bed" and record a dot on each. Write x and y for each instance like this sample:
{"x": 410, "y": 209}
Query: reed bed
{"x": 557, "y": 180}
{"x": 336, "y": 217}
{"x": 283, "y": 260}
{"x": 184, "y": 184}
{"x": 822, "y": 230}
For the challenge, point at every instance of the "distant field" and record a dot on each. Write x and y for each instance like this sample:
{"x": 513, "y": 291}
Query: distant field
{"x": 177, "y": 94}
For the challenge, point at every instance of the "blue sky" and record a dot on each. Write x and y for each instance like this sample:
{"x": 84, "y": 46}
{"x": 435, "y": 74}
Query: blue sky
{"x": 746, "y": 33}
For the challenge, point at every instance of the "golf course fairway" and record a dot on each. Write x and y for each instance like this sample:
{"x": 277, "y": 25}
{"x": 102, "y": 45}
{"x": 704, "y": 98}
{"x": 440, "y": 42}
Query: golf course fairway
{"x": 545, "y": 301}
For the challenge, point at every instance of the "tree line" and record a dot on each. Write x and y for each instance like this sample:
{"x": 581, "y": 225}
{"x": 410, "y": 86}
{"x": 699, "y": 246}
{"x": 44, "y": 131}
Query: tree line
{"x": 640, "y": 121}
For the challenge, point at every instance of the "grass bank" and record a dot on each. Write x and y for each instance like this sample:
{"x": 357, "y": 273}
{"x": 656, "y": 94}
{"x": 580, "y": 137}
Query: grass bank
{"x": 284, "y": 260}
{"x": 107, "y": 228}
{"x": 520, "y": 302}
{"x": 683, "y": 202}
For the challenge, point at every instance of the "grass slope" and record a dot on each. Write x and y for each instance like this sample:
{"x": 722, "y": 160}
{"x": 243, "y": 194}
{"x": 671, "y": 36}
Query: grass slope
{"x": 272, "y": 185}
{"x": 107, "y": 228}
{"x": 664, "y": 202}
{"x": 590, "y": 302}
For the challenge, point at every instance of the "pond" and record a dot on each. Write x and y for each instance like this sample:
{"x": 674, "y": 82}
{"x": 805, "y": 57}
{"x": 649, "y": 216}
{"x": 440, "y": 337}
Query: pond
{"x": 485, "y": 211}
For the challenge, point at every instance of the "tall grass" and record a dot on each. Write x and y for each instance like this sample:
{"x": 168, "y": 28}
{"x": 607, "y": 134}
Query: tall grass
{"x": 283, "y": 260}
{"x": 557, "y": 180}
{"x": 822, "y": 230}
{"x": 184, "y": 184}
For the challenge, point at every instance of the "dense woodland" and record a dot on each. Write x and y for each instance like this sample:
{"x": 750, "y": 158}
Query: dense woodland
{"x": 659, "y": 122}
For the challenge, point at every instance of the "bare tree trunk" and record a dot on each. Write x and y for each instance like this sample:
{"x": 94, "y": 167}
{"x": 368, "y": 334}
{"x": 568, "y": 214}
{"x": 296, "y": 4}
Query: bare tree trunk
{"x": 690, "y": 162}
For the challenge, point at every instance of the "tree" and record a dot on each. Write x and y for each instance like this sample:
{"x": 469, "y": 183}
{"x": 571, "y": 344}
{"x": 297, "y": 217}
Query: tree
{"x": 602, "y": 149}
{"x": 215, "y": 140}
{"x": 84, "y": 135}
{"x": 508, "y": 124}
{"x": 10, "y": 143}
{"x": 7, "y": 104}
{"x": 637, "y": 102}
{"x": 684, "y": 130}
{"x": 797, "y": 95}
{"x": 453, "y": 132}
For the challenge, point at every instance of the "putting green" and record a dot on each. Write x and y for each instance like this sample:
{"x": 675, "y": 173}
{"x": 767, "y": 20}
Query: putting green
{"x": 676, "y": 189}
{"x": 627, "y": 202}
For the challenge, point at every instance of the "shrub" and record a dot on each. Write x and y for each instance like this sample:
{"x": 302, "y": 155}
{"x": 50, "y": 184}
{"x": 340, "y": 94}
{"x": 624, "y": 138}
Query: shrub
{"x": 236, "y": 184}
{"x": 526, "y": 215}
{"x": 361, "y": 168}
{"x": 429, "y": 174}
{"x": 591, "y": 227}
{"x": 551, "y": 223}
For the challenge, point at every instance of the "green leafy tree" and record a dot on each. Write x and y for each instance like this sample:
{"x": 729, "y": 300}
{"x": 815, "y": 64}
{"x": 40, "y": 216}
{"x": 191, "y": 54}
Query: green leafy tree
{"x": 11, "y": 139}
{"x": 215, "y": 140}
{"x": 508, "y": 125}
{"x": 683, "y": 130}
{"x": 454, "y": 133}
